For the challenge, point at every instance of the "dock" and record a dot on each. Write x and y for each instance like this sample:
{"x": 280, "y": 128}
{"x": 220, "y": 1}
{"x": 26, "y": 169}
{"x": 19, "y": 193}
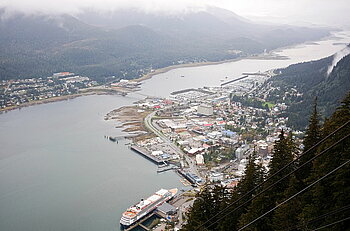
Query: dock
{"x": 115, "y": 138}
{"x": 143, "y": 152}
{"x": 234, "y": 80}
{"x": 139, "y": 223}
{"x": 191, "y": 89}
{"x": 256, "y": 74}
{"x": 167, "y": 168}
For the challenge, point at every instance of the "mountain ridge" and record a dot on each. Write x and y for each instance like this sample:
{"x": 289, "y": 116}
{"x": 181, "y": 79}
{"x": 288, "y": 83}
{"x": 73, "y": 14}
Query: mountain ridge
{"x": 312, "y": 81}
{"x": 39, "y": 45}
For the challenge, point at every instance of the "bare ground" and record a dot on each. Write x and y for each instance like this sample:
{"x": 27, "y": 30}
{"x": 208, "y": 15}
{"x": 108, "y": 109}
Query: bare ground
{"x": 131, "y": 121}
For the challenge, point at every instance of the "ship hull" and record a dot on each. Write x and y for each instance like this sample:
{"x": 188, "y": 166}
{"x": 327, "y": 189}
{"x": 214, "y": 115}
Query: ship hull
{"x": 130, "y": 217}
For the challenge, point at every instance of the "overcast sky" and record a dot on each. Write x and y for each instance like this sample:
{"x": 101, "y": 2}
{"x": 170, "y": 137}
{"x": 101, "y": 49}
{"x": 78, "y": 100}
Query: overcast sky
{"x": 330, "y": 12}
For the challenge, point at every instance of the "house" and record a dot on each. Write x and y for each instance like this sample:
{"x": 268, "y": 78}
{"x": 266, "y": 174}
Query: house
{"x": 199, "y": 159}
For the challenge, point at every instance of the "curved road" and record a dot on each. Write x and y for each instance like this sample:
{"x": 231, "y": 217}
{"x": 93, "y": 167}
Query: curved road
{"x": 151, "y": 127}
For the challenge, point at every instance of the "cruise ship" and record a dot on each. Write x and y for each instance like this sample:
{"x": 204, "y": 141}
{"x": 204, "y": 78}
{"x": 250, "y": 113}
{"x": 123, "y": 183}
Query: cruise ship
{"x": 141, "y": 209}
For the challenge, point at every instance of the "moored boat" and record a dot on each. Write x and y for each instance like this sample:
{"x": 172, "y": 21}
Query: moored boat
{"x": 144, "y": 207}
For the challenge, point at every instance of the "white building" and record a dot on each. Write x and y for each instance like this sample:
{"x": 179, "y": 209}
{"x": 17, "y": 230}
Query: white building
{"x": 157, "y": 153}
{"x": 262, "y": 148}
{"x": 199, "y": 159}
{"x": 240, "y": 151}
{"x": 216, "y": 176}
{"x": 206, "y": 110}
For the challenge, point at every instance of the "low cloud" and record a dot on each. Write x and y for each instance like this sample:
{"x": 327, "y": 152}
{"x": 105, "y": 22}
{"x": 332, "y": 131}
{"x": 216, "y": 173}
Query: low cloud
{"x": 76, "y": 6}
{"x": 331, "y": 12}
{"x": 337, "y": 57}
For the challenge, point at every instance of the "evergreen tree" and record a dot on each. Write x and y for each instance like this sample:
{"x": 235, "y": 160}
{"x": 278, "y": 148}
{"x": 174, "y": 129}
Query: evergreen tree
{"x": 209, "y": 202}
{"x": 333, "y": 192}
{"x": 253, "y": 175}
{"x": 327, "y": 196}
{"x": 286, "y": 216}
{"x": 282, "y": 155}
{"x": 312, "y": 137}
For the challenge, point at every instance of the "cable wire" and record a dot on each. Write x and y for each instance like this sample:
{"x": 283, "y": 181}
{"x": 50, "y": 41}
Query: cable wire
{"x": 344, "y": 208}
{"x": 336, "y": 222}
{"x": 272, "y": 185}
{"x": 278, "y": 172}
{"x": 296, "y": 194}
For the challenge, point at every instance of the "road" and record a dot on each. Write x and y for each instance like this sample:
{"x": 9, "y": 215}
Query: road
{"x": 183, "y": 205}
{"x": 151, "y": 127}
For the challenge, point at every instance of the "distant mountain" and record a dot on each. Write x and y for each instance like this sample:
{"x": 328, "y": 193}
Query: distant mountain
{"x": 129, "y": 43}
{"x": 213, "y": 25}
{"x": 311, "y": 79}
{"x": 35, "y": 46}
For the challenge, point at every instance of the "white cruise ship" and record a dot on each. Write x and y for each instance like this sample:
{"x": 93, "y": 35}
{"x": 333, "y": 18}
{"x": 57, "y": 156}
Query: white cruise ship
{"x": 141, "y": 209}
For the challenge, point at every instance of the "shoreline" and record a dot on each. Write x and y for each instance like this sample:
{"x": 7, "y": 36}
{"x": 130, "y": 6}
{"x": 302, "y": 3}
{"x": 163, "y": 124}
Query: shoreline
{"x": 100, "y": 91}
{"x": 130, "y": 120}
{"x": 208, "y": 63}
{"x": 84, "y": 92}
{"x": 270, "y": 56}
{"x": 43, "y": 101}
{"x": 176, "y": 66}
{"x": 107, "y": 91}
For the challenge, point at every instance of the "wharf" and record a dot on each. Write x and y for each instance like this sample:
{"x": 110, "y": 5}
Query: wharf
{"x": 143, "y": 152}
{"x": 115, "y": 138}
{"x": 256, "y": 73}
{"x": 191, "y": 89}
{"x": 235, "y": 80}
{"x": 167, "y": 168}
{"x": 139, "y": 223}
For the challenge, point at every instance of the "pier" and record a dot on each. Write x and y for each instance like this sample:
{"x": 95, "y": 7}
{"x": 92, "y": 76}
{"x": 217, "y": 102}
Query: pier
{"x": 139, "y": 223}
{"x": 256, "y": 74}
{"x": 115, "y": 138}
{"x": 191, "y": 89}
{"x": 235, "y": 80}
{"x": 167, "y": 168}
{"x": 143, "y": 152}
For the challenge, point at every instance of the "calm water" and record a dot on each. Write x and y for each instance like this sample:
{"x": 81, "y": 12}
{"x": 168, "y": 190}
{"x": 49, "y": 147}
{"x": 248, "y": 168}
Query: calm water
{"x": 57, "y": 172}
{"x": 211, "y": 75}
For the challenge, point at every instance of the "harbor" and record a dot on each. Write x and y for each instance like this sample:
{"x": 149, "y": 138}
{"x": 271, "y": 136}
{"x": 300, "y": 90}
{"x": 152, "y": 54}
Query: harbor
{"x": 98, "y": 191}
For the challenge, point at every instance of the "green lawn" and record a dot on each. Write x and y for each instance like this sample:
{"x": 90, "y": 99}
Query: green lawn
{"x": 269, "y": 104}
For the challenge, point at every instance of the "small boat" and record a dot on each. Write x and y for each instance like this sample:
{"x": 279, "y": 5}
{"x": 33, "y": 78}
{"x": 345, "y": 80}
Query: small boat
{"x": 114, "y": 139}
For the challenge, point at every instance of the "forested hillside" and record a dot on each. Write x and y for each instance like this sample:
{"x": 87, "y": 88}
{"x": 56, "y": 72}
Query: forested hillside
{"x": 311, "y": 80}
{"x": 308, "y": 191}
{"x": 129, "y": 44}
